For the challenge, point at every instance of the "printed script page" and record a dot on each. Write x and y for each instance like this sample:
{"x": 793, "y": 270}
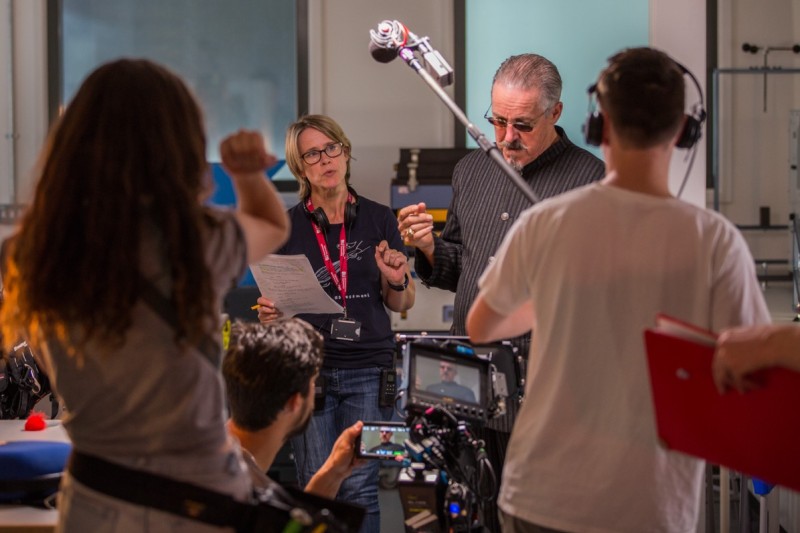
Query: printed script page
{"x": 289, "y": 282}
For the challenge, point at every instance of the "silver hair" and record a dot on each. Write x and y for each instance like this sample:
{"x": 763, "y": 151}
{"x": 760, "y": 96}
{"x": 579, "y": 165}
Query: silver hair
{"x": 531, "y": 71}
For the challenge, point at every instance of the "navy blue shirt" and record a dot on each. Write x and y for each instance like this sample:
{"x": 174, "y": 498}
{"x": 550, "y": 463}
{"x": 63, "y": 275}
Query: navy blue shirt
{"x": 373, "y": 223}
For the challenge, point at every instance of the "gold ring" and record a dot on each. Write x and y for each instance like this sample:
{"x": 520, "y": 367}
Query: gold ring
{"x": 410, "y": 233}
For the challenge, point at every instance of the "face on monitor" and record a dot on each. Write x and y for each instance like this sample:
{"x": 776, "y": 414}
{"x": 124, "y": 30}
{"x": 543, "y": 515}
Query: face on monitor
{"x": 447, "y": 379}
{"x": 383, "y": 440}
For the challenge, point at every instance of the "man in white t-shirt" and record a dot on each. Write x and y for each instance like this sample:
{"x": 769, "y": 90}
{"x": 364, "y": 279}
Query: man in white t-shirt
{"x": 587, "y": 272}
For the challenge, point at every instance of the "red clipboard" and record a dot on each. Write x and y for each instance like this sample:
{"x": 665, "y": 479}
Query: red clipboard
{"x": 756, "y": 433}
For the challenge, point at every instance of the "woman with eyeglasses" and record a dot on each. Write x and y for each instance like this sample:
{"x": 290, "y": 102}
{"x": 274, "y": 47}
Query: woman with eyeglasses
{"x": 355, "y": 248}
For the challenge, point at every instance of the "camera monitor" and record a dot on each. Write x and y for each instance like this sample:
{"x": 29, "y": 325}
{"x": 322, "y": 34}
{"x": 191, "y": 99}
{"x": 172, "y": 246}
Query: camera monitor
{"x": 383, "y": 440}
{"x": 442, "y": 376}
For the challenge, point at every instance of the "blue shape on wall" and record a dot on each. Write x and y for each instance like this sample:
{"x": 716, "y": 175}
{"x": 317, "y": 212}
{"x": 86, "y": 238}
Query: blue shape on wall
{"x": 223, "y": 196}
{"x": 223, "y": 188}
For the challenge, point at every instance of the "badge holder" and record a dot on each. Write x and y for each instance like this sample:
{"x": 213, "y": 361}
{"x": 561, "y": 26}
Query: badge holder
{"x": 346, "y": 329}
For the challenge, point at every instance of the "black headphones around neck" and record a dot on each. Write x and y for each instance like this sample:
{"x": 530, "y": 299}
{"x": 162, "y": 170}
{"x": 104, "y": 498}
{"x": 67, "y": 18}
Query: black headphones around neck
{"x": 318, "y": 216}
{"x": 690, "y": 134}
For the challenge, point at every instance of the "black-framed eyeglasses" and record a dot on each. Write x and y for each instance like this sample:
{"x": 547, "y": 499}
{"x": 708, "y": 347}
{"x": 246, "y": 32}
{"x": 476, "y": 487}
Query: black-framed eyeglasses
{"x": 331, "y": 150}
{"x": 519, "y": 125}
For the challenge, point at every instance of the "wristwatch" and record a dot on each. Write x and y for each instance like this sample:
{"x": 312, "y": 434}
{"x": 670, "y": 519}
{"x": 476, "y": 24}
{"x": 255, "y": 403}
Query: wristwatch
{"x": 400, "y": 288}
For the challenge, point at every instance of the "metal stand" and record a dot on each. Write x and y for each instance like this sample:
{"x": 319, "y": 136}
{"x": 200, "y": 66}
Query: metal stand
{"x": 715, "y": 148}
{"x": 794, "y": 184}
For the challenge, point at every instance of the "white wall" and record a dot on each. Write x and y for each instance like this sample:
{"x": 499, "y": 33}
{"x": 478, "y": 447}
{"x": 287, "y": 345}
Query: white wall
{"x": 23, "y": 97}
{"x": 7, "y": 106}
{"x": 754, "y": 141}
{"x": 26, "y": 122}
{"x": 678, "y": 27}
{"x": 382, "y": 107}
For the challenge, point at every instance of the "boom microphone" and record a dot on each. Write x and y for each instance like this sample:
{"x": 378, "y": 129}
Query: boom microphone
{"x": 380, "y": 54}
{"x": 393, "y": 38}
{"x": 385, "y": 44}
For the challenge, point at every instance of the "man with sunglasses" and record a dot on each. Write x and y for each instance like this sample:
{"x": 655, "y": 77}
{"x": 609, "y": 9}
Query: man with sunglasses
{"x": 525, "y": 106}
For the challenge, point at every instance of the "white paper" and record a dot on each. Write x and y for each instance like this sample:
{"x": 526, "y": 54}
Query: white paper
{"x": 290, "y": 282}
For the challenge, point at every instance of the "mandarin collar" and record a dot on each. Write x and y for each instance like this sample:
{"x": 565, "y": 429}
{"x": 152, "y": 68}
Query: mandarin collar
{"x": 549, "y": 155}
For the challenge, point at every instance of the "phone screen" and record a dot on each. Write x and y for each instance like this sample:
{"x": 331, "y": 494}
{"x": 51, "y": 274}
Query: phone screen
{"x": 383, "y": 440}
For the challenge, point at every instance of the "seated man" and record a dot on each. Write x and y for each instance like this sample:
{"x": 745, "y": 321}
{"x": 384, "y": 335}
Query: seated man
{"x": 448, "y": 386}
{"x": 269, "y": 372}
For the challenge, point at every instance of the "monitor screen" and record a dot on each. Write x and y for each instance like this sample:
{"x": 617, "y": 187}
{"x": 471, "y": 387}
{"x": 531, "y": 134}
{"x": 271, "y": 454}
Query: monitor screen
{"x": 384, "y": 440}
{"x": 446, "y": 378}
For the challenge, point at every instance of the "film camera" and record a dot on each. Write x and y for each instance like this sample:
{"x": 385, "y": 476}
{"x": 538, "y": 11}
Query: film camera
{"x": 448, "y": 388}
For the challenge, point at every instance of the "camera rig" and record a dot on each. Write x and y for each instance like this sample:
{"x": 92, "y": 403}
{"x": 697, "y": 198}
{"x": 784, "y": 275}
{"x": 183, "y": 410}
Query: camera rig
{"x": 449, "y": 387}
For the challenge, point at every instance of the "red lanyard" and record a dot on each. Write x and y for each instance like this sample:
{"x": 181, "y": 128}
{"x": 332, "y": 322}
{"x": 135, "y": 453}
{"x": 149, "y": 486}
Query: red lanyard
{"x": 326, "y": 256}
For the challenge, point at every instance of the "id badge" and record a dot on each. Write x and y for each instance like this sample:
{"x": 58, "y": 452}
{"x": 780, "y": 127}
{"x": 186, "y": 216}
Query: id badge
{"x": 346, "y": 329}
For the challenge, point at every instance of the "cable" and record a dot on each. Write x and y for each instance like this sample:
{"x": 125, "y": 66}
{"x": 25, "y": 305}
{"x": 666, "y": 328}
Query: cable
{"x": 397, "y": 398}
{"x": 698, "y": 114}
{"x": 691, "y": 156}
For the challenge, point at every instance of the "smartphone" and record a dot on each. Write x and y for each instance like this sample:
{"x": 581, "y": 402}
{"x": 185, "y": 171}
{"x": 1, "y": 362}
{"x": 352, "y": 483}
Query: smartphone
{"x": 383, "y": 440}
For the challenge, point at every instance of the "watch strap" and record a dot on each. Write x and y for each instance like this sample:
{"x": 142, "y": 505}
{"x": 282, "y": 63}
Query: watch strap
{"x": 402, "y": 287}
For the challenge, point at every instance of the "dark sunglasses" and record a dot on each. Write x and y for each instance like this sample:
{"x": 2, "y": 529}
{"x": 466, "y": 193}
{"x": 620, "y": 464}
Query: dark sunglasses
{"x": 519, "y": 125}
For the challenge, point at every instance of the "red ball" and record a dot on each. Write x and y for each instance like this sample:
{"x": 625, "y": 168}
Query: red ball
{"x": 35, "y": 422}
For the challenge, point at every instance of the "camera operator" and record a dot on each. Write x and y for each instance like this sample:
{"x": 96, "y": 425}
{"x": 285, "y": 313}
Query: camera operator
{"x": 269, "y": 372}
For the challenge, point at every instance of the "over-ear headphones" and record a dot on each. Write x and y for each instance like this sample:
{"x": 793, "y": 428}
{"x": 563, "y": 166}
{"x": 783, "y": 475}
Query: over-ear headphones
{"x": 692, "y": 127}
{"x": 318, "y": 216}
{"x": 593, "y": 127}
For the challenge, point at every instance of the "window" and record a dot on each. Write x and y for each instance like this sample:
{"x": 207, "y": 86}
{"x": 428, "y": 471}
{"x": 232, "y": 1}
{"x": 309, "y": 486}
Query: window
{"x": 239, "y": 56}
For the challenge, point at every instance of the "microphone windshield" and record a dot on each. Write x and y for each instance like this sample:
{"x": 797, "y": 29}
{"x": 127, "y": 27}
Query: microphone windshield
{"x": 382, "y": 54}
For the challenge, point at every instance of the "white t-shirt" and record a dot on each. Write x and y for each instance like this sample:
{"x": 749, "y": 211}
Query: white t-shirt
{"x": 599, "y": 263}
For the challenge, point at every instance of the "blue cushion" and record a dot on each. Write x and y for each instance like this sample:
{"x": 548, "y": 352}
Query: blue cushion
{"x": 23, "y": 463}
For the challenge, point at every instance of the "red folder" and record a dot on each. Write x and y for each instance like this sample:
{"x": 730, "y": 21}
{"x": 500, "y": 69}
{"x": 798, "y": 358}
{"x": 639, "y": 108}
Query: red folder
{"x": 756, "y": 433}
